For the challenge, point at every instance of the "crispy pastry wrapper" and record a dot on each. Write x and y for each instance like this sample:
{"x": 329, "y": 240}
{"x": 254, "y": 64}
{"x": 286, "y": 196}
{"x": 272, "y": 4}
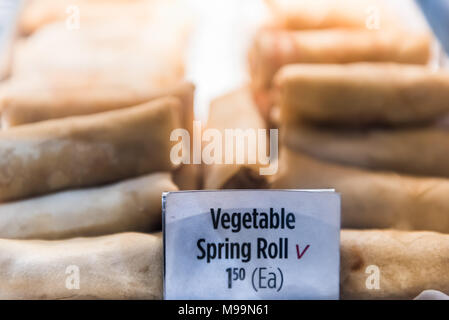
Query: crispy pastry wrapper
{"x": 362, "y": 94}
{"x": 130, "y": 205}
{"x": 25, "y": 102}
{"x": 87, "y": 150}
{"x": 432, "y": 295}
{"x": 324, "y": 14}
{"x": 408, "y": 263}
{"x": 119, "y": 266}
{"x": 421, "y": 151}
{"x": 235, "y": 110}
{"x": 188, "y": 177}
{"x": 371, "y": 199}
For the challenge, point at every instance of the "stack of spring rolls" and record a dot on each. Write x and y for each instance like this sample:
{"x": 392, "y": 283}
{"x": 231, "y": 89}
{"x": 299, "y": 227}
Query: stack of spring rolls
{"x": 97, "y": 86}
{"x": 329, "y": 31}
{"x": 374, "y": 132}
{"x": 85, "y": 146}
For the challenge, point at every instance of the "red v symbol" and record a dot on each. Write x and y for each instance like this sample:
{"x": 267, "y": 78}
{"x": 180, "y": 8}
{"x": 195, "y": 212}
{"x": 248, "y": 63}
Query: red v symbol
{"x": 299, "y": 253}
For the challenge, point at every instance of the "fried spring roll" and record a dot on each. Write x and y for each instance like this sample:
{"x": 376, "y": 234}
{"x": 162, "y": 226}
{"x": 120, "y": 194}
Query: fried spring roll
{"x": 120, "y": 266}
{"x": 407, "y": 263}
{"x": 371, "y": 199}
{"x": 38, "y": 13}
{"x": 417, "y": 151}
{"x": 86, "y": 150}
{"x": 235, "y": 110}
{"x": 321, "y": 14}
{"x": 273, "y": 49}
{"x": 23, "y": 103}
{"x": 363, "y": 94}
{"x": 132, "y": 205}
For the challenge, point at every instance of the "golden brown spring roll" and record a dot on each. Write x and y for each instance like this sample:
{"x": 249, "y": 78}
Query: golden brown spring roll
{"x": 38, "y": 13}
{"x": 235, "y": 110}
{"x": 120, "y": 266}
{"x": 371, "y": 199}
{"x": 131, "y": 205}
{"x": 322, "y": 14}
{"x": 418, "y": 151}
{"x": 406, "y": 262}
{"x": 86, "y": 150}
{"x": 362, "y": 94}
{"x": 24, "y": 102}
{"x": 98, "y": 53}
{"x": 273, "y": 49}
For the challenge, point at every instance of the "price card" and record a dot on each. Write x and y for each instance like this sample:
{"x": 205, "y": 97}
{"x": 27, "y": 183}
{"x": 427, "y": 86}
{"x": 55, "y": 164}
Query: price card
{"x": 251, "y": 244}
